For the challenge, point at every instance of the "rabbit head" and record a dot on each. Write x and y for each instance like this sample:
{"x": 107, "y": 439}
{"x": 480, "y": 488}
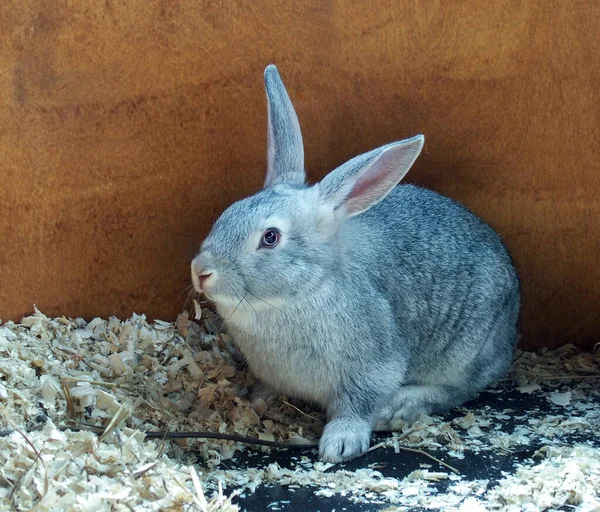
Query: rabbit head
{"x": 282, "y": 241}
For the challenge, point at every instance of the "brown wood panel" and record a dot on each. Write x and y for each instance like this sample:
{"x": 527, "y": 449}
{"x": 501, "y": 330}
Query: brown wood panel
{"x": 127, "y": 126}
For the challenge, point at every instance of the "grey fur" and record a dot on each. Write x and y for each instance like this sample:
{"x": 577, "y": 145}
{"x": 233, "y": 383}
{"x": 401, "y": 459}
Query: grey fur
{"x": 285, "y": 150}
{"x": 405, "y": 304}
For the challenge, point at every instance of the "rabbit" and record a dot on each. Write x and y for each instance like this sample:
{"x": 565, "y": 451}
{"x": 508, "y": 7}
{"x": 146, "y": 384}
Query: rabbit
{"x": 377, "y": 302}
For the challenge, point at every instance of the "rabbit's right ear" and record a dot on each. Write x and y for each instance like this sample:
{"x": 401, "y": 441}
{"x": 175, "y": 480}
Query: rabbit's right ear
{"x": 285, "y": 150}
{"x": 366, "y": 179}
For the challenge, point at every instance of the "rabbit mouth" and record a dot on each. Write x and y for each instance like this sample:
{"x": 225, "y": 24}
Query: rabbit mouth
{"x": 245, "y": 301}
{"x": 225, "y": 301}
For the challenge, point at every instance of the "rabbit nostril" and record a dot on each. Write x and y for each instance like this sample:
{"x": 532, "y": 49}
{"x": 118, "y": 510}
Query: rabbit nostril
{"x": 204, "y": 277}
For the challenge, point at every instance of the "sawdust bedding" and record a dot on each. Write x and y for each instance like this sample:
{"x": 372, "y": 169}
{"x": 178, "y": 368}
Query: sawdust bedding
{"x": 78, "y": 399}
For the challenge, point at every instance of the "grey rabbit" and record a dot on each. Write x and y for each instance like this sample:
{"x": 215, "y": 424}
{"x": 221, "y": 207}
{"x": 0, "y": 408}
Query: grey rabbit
{"x": 376, "y": 302}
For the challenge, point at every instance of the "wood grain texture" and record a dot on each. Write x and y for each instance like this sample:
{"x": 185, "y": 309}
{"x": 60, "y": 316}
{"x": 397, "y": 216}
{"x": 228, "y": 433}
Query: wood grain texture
{"x": 126, "y": 127}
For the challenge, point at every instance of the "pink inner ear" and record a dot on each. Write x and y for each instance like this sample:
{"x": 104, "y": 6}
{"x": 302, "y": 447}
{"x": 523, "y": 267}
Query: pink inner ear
{"x": 371, "y": 187}
{"x": 357, "y": 187}
{"x": 370, "y": 180}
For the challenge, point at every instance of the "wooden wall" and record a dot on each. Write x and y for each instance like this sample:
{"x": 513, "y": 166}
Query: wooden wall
{"x": 126, "y": 126}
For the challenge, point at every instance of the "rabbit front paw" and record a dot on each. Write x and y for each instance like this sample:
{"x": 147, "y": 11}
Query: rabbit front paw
{"x": 344, "y": 439}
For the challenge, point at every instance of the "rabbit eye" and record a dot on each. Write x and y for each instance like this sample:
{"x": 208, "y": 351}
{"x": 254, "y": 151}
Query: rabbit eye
{"x": 270, "y": 238}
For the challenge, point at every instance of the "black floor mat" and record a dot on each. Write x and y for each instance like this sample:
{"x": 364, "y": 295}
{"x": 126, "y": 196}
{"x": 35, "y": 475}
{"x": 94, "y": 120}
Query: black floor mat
{"x": 512, "y": 410}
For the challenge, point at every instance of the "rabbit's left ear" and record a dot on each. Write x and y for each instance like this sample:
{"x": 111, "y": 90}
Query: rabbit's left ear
{"x": 285, "y": 150}
{"x": 366, "y": 179}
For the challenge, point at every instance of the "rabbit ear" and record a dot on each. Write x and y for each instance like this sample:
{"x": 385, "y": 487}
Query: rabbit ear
{"x": 285, "y": 151}
{"x": 365, "y": 180}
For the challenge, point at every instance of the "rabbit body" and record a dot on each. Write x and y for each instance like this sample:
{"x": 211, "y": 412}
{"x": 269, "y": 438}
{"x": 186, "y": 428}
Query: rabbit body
{"x": 378, "y": 302}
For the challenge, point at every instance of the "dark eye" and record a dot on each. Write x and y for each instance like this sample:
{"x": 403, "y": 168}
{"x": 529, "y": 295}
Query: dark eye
{"x": 270, "y": 238}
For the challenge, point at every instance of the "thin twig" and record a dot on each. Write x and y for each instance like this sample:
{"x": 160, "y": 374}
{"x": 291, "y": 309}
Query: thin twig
{"x": 418, "y": 451}
{"x": 300, "y": 410}
{"x": 38, "y": 457}
{"x": 68, "y": 398}
{"x": 186, "y": 490}
{"x": 122, "y": 414}
{"x": 144, "y": 470}
{"x": 110, "y": 385}
{"x": 184, "y": 435}
{"x": 429, "y": 456}
{"x": 377, "y": 446}
{"x": 568, "y": 377}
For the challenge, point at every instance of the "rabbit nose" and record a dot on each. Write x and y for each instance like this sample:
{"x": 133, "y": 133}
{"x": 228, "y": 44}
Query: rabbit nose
{"x": 200, "y": 273}
{"x": 204, "y": 276}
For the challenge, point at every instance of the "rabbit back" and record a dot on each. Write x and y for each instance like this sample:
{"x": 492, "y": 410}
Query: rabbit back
{"x": 452, "y": 285}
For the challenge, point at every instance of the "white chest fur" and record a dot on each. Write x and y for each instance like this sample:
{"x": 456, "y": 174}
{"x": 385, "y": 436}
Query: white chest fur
{"x": 284, "y": 350}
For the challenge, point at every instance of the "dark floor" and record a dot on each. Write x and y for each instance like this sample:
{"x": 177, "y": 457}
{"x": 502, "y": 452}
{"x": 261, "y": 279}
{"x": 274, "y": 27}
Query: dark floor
{"x": 516, "y": 410}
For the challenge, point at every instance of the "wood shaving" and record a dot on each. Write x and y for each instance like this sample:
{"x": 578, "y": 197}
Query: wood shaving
{"x": 132, "y": 376}
{"x": 127, "y": 376}
{"x": 568, "y": 477}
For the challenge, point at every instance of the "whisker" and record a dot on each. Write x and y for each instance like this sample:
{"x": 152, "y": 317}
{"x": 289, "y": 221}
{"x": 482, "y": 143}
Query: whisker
{"x": 262, "y": 300}
{"x": 193, "y": 294}
{"x": 229, "y": 267}
{"x": 250, "y": 304}
{"x": 249, "y": 292}
{"x": 232, "y": 313}
{"x": 247, "y": 301}
{"x": 188, "y": 299}
{"x": 239, "y": 293}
